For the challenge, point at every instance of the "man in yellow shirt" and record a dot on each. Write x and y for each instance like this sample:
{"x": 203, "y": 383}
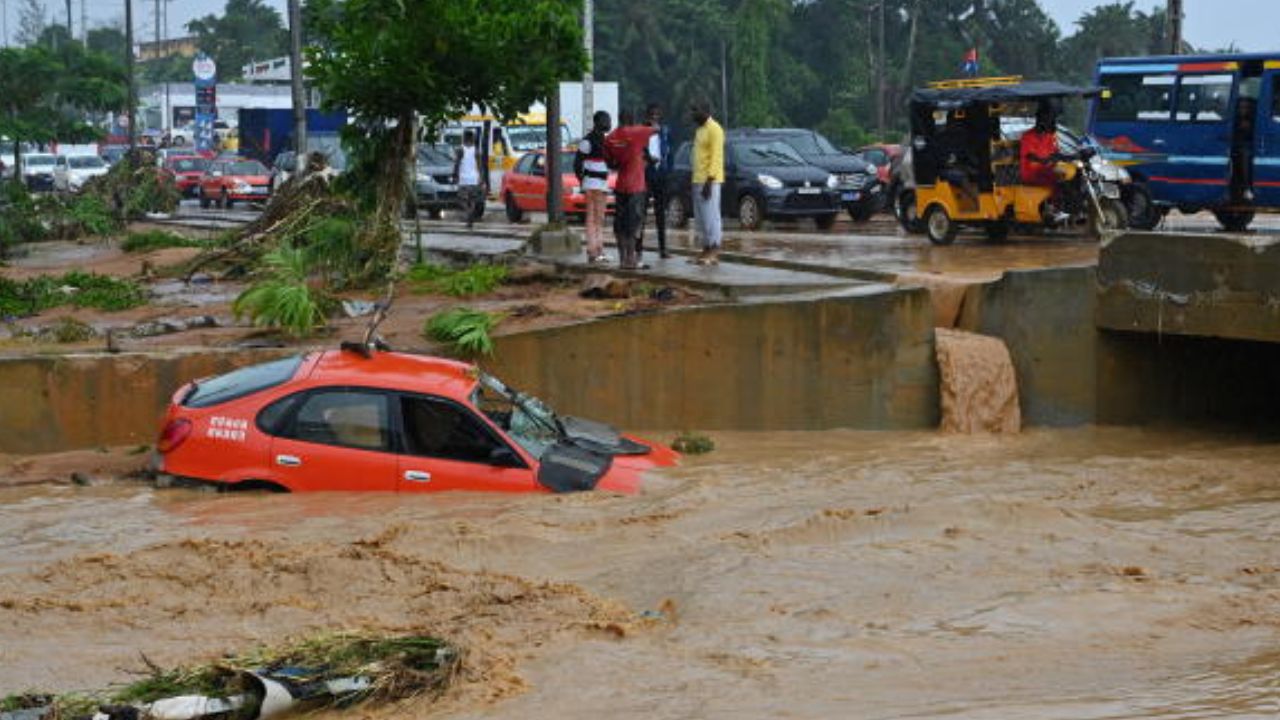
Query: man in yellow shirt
{"x": 708, "y": 176}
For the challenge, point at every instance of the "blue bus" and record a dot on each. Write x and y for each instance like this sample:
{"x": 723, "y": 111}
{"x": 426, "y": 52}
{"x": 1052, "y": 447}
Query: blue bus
{"x": 1195, "y": 133}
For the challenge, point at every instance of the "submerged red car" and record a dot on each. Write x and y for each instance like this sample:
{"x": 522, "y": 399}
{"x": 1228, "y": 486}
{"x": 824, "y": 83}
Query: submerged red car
{"x": 384, "y": 421}
{"x": 524, "y": 187}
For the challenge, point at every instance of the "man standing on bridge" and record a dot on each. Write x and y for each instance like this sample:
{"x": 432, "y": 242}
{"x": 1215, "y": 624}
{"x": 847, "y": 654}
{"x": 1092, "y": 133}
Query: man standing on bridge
{"x": 708, "y": 176}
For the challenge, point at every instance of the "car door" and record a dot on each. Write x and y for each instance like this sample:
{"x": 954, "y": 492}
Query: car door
{"x": 447, "y": 446}
{"x": 1199, "y": 148}
{"x": 535, "y": 183}
{"x": 1266, "y": 160}
{"x": 733, "y": 184}
{"x": 336, "y": 438}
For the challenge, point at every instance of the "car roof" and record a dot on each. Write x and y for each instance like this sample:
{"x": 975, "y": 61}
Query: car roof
{"x": 395, "y": 371}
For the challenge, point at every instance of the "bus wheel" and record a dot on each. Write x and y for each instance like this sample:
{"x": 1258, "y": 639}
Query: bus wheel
{"x": 938, "y": 224}
{"x": 1234, "y": 220}
{"x": 1143, "y": 213}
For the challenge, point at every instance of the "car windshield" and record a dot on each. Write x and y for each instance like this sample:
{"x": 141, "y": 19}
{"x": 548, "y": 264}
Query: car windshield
{"x": 524, "y": 138}
{"x": 435, "y": 155}
{"x": 251, "y": 167}
{"x": 811, "y": 144}
{"x": 526, "y": 419}
{"x": 189, "y": 164}
{"x": 85, "y": 162}
{"x": 763, "y": 154}
{"x": 34, "y": 160}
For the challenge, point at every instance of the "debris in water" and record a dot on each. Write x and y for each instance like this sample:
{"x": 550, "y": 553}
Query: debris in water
{"x": 978, "y": 384}
{"x": 688, "y": 443}
{"x": 329, "y": 671}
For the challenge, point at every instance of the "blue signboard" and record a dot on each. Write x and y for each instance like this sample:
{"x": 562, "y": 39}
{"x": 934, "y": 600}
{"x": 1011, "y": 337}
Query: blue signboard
{"x": 206, "y": 74}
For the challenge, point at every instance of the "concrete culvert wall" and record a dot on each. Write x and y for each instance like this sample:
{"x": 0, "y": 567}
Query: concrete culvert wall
{"x": 851, "y": 361}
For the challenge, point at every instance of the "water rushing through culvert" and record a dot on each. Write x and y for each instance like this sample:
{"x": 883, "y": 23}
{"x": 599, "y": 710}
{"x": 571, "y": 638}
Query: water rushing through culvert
{"x": 1093, "y": 573}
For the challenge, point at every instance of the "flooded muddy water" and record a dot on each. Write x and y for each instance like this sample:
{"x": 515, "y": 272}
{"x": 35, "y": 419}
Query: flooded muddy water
{"x": 1092, "y": 573}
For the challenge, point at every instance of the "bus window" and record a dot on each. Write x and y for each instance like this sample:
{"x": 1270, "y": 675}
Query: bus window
{"x": 1204, "y": 98}
{"x": 1275, "y": 99}
{"x": 1136, "y": 97}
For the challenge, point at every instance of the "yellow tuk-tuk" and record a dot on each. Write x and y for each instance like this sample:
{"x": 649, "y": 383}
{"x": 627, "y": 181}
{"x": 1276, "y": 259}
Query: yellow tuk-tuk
{"x": 967, "y": 171}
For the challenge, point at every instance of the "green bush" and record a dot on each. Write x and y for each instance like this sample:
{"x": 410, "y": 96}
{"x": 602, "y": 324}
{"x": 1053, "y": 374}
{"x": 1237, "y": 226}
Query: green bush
{"x": 138, "y": 242}
{"x": 333, "y": 249}
{"x": 464, "y": 330}
{"x": 282, "y": 298}
{"x": 89, "y": 215}
{"x": 468, "y": 282}
{"x": 80, "y": 289}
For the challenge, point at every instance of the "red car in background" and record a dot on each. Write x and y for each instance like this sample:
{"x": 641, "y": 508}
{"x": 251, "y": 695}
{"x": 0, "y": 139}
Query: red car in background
{"x": 885, "y": 157}
{"x": 524, "y": 187}
{"x": 229, "y": 180}
{"x": 186, "y": 171}
{"x": 350, "y": 420}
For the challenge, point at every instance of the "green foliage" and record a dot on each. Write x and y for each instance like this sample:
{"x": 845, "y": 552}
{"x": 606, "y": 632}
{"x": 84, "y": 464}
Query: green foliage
{"x": 282, "y": 297}
{"x": 333, "y": 248}
{"x": 480, "y": 279}
{"x": 91, "y": 215}
{"x": 690, "y": 443}
{"x": 247, "y": 30}
{"x": 69, "y": 330}
{"x": 140, "y": 242}
{"x": 77, "y": 288}
{"x": 464, "y": 330}
{"x": 44, "y": 94}
{"x": 19, "y": 217}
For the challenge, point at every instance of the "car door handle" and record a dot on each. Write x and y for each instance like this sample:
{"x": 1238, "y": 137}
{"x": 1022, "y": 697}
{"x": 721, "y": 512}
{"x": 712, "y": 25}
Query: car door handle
{"x": 417, "y": 476}
{"x": 288, "y": 460}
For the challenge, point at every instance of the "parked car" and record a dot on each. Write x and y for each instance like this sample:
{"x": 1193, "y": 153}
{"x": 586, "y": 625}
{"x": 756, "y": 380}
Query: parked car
{"x": 860, "y": 191}
{"x": 524, "y": 187}
{"x": 112, "y": 154}
{"x": 186, "y": 170}
{"x": 37, "y": 170}
{"x": 884, "y": 157}
{"x": 71, "y": 172}
{"x": 433, "y": 188}
{"x": 230, "y": 180}
{"x": 381, "y": 421}
{"x": 765, "y": 178}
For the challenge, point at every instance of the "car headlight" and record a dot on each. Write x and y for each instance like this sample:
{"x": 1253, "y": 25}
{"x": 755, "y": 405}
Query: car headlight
{"x": 769, "y": 181}
{"x": 832, "y": 181}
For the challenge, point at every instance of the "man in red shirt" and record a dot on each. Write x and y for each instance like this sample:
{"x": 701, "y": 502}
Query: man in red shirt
{"x": 625, "y": 147}
{"x": 1039, "y": 150}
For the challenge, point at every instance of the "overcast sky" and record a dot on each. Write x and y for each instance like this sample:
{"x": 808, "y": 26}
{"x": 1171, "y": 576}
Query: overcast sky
{"x": 1250, "y": 24}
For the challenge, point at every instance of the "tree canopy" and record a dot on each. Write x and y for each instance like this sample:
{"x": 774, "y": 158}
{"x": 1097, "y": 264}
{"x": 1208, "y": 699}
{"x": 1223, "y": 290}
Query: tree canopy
{"x": 813, "y": 63}
{"x": 248, "y": 30}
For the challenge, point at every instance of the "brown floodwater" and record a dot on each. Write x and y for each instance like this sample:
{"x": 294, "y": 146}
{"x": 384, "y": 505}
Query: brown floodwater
{"x": 1092, "y": 573}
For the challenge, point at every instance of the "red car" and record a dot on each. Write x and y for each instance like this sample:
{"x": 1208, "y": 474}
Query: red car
{"x": 229, "y": 180}
{"x": 186, "y": 171}
{"x": 885, "y": 157}
{"x": 351, "y": 420}
{"x": 524, "y": 187}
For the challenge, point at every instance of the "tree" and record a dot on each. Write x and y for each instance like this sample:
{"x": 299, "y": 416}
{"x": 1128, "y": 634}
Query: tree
{"x": 394, "y": 63}
{"x": 109, "y": 41}
{"x": 31, "y": 21}
{"x": 44, "y": 95}
{"x": 248, "y": 30}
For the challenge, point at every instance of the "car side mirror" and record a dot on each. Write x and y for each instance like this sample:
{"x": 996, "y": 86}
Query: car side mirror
{"x": 502, "y": 456}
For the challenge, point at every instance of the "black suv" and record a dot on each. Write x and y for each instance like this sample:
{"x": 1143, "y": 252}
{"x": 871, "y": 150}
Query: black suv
{"x": 861, "y": 192}
{"x": 764, "y": 179}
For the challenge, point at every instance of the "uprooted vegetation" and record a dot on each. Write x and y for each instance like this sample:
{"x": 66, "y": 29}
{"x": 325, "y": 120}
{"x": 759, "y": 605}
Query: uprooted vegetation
{"x": 313, "y": 673}
{"x": 466, "y": 333}
{"x": 21, "y": 298}
{"x": 470, "y": 281}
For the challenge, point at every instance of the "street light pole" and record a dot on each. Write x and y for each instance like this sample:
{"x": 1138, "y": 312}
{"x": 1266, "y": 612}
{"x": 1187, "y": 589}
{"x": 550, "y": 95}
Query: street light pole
{"x": 295, "y": 85}
{"x": 1174, "y": 11}
{"x": 588, "y": 78}
{"x": 883, "y": 68}
{"x": 130, "y": 111}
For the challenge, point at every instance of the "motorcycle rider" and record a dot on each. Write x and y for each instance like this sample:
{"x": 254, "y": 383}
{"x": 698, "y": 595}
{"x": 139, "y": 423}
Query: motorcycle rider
{"x": 1039, "y": 156}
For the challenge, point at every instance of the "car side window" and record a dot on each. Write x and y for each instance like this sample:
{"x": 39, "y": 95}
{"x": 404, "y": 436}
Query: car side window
{"x": 343, "y": 417}
{"x": 538, "y": 167}
{"x": 441, "y": 429}
{"x": 525, "y": 164}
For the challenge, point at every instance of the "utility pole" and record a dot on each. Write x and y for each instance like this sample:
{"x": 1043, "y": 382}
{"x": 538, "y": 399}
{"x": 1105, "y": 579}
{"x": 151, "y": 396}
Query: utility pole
{"x": 130, "y": 111}
{"x": 882, "y": 68}
{"x": 84, "y": 24}
{"x": 555, "y": 214}
{"x": 70, "y": 33}
{"x": 588, "y": 78}
{"x": 4, "y": 19}
{"x": 724, "y": 82}
{"x": 295, "y": 85}
{"x": 1174, "y": 12}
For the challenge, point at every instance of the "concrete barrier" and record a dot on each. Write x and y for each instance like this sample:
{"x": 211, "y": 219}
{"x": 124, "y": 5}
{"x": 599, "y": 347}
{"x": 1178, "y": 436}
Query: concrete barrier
{"x": 854, "y": 360}
{"x": 52, "y": 403}
{"x": 1208, "y": 285}
{"x": 1045, "y": 317}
